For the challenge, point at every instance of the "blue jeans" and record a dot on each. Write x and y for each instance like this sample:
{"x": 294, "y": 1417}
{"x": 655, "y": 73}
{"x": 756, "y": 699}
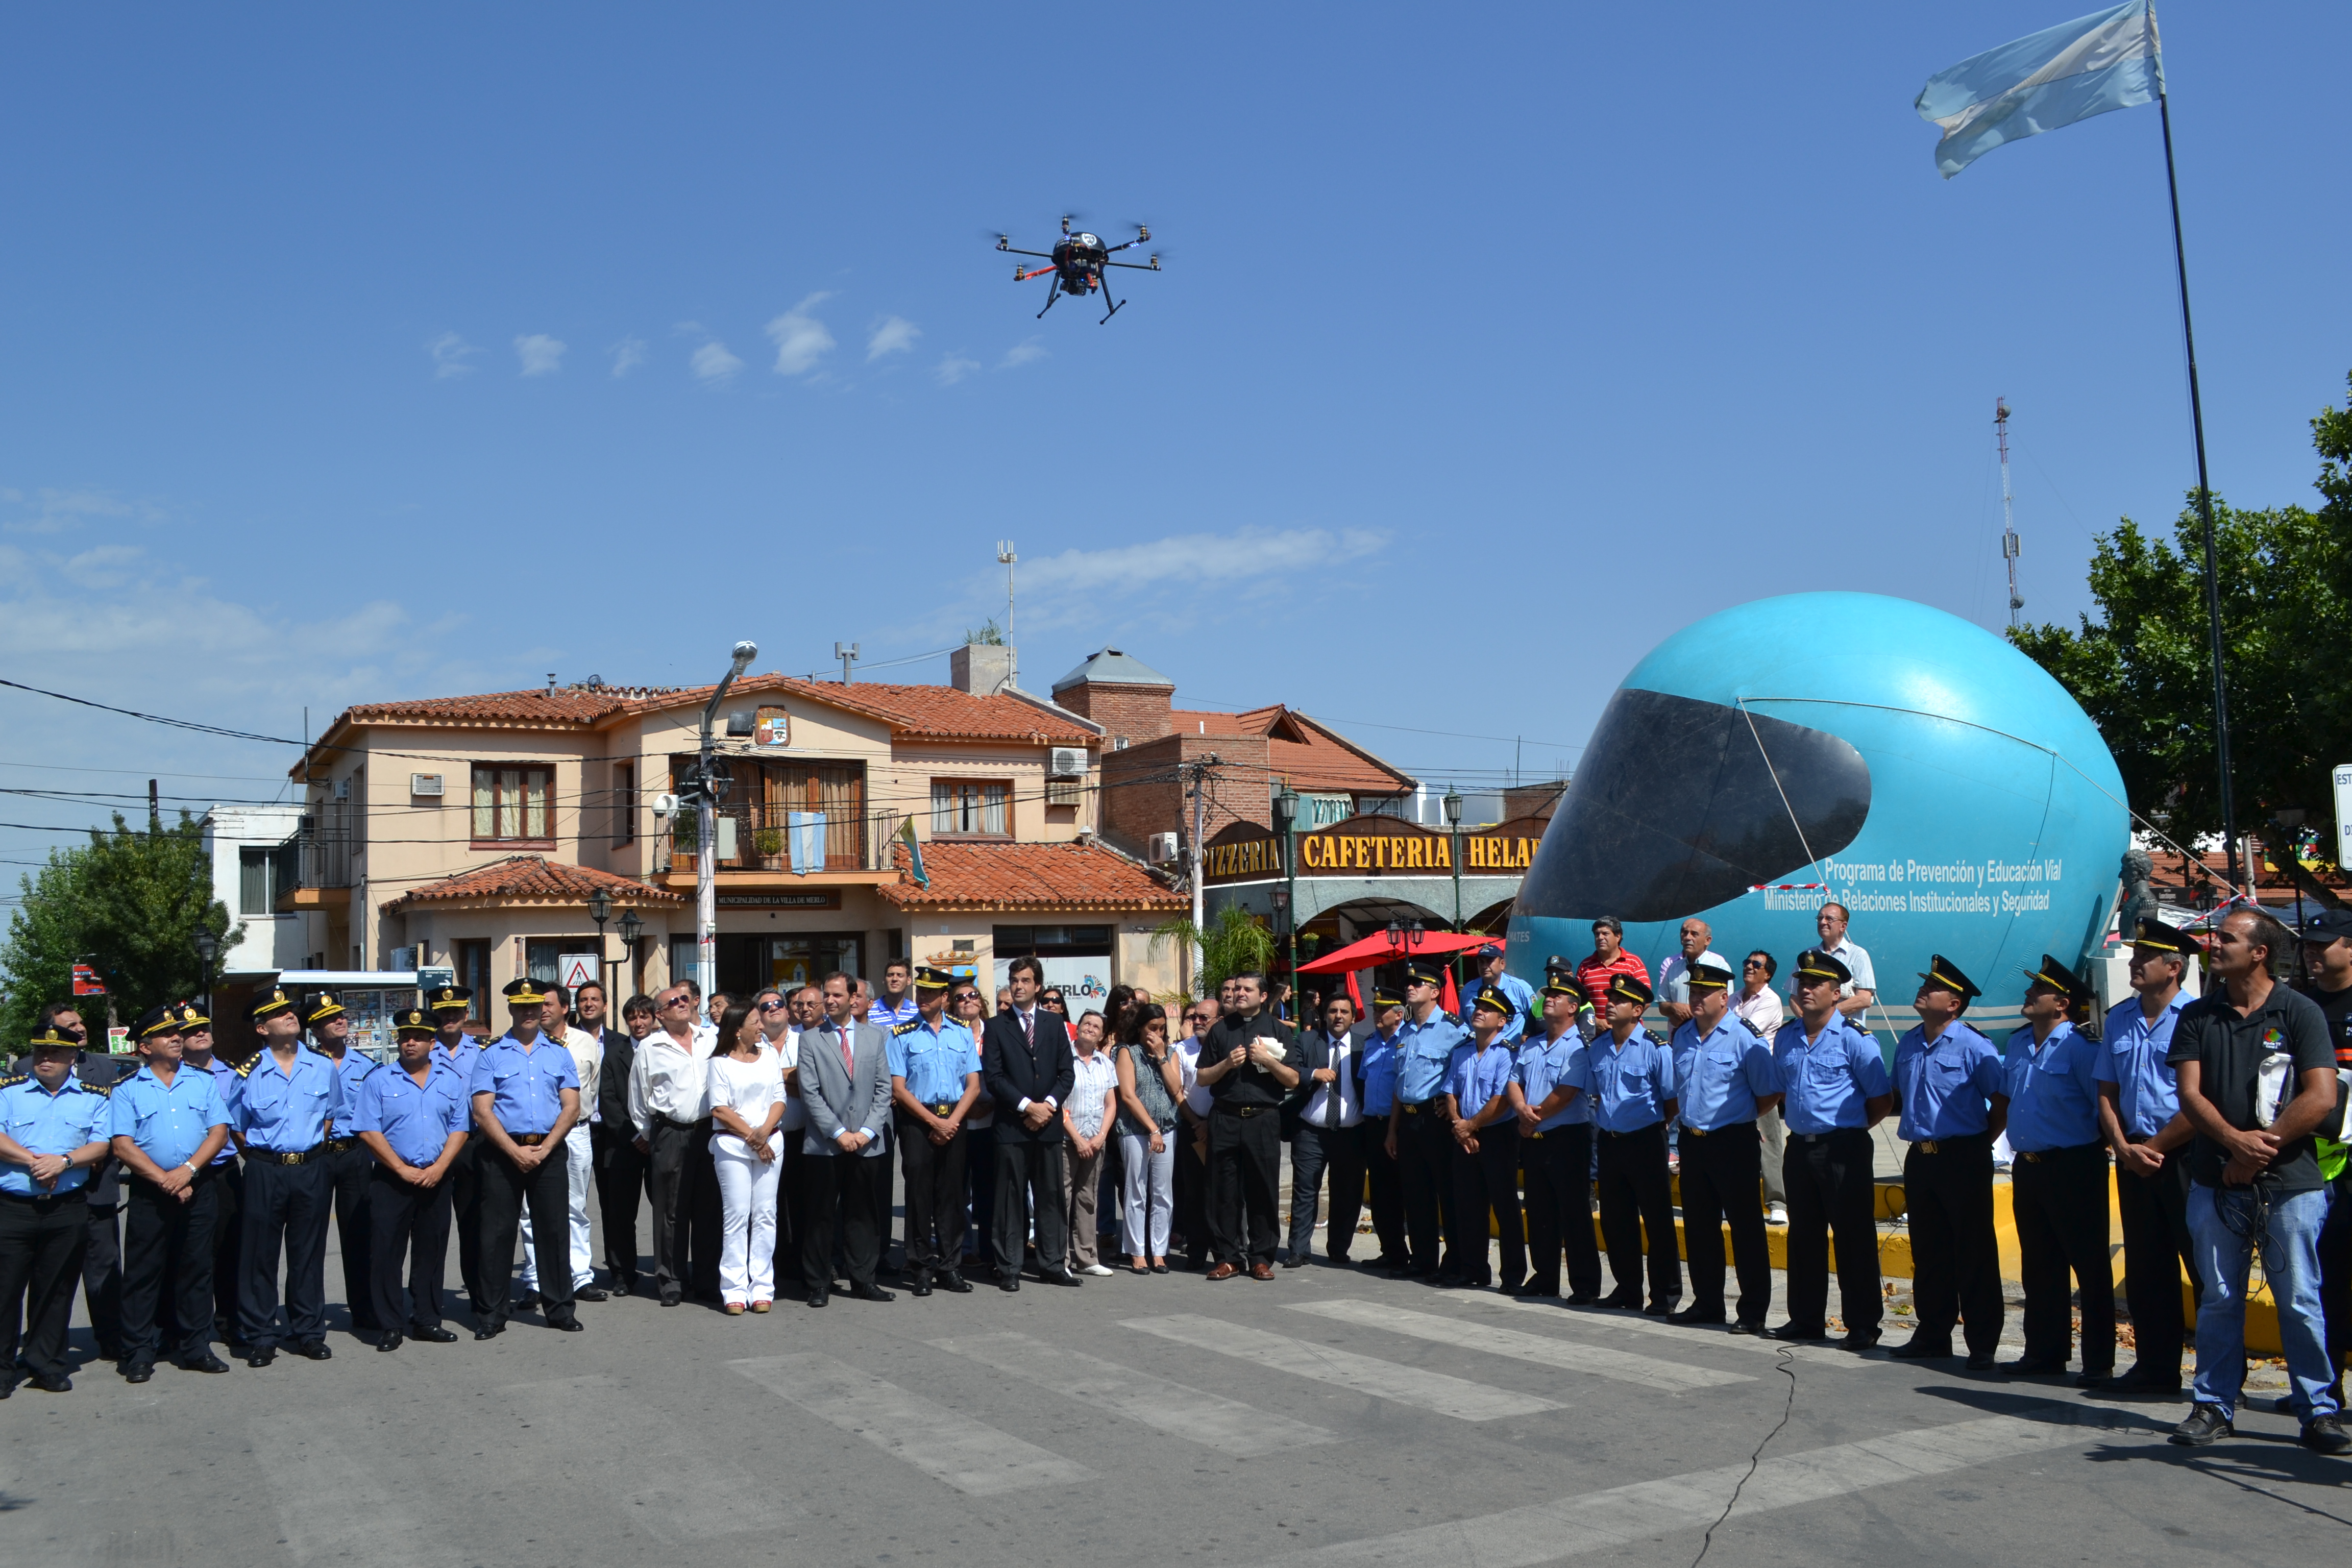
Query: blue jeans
{"x": 2221, "y": 1223}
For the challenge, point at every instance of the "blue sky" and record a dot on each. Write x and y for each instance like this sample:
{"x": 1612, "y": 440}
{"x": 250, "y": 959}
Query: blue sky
{"x": 353, "y": 357}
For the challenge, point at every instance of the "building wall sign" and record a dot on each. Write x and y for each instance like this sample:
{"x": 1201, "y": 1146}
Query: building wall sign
{"x": 1371, "y": 846}
{"x": 831, "y": 901}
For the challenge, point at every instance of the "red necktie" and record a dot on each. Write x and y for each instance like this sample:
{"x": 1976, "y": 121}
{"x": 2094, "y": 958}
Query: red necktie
{"x": 1029, "y": 1028}
{"x": 848, "y": 1059}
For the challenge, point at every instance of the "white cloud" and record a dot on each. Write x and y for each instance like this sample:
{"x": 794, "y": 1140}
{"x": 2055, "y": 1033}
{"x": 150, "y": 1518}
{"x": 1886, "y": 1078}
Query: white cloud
{"x": 541, "y": 354}
{"x": 712, "y": 362}
{"x": 106, "y": 566}
{"x": 801, "y": 338}
{"x": 954, "y": 368}
{"x": 451, "y": 354}
{"x": 1021, "y": 353}
{"x": 895, "y": 335}
{"x": 627, "y": 355}
{"x": 63, "y": 510}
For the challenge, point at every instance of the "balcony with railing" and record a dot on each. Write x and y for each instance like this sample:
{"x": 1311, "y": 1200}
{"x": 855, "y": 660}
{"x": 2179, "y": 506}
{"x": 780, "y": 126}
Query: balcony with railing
{"x": 765, "y": 839}
{"x": 314, "y": 867}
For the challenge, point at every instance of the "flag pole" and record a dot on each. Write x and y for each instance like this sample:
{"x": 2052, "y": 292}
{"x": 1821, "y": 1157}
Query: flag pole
{"x": 2204, "y": 499}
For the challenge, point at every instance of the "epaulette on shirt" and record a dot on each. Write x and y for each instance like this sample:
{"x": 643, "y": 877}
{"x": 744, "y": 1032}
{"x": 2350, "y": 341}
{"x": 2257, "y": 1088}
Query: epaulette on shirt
{"x": 103, "y": 1090}
{"x": 909, "y": 1028}
{"x": 244, "y": 1068}
{"x": 1746, "y": 1026}
{"x": 14, "y": 1079}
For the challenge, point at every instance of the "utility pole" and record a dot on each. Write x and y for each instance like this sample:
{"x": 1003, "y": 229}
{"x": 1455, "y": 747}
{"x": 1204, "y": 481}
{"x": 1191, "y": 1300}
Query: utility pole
{"x": 706, "y": 857}
{"x": 1006, "y": 559}
{"x": 2008, "y": 525}
{"x": 848, "y": 653}
{"x": 1200, "y": 772}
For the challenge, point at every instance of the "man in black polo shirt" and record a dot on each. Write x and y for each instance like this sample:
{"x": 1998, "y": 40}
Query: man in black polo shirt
{"x": 1250, "y": 1062}
{"x": 2257, "y": 1078}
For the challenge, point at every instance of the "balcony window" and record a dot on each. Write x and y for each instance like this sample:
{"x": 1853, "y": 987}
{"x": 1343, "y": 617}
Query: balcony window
{"x": 514, "y": 805}
{"x": 962, "y": 809}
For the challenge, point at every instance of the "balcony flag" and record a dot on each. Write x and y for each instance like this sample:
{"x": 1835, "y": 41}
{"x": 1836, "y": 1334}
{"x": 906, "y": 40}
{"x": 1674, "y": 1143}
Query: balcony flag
{"x": 914, "y": 854}
{"x": 807, "y": 831}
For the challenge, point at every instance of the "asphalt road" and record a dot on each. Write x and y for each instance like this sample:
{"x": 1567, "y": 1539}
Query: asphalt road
{"x": 1328, "y": 1419}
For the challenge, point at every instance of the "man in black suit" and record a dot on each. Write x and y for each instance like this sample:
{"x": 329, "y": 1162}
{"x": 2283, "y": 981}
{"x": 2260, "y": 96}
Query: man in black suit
{"x": 1027, "y": 1067}
{"x": 1251, "y": 1061}
{"x": 1325, "y": 1111}
{"x": 623, "y": 1172}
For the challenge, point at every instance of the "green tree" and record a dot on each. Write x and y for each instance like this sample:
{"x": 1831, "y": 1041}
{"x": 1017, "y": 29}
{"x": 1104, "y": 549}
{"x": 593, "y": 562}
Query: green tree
{"x": 130, "y": 904}
{"x": 1232, "y": 943}
{"x": 2142, "y": 668}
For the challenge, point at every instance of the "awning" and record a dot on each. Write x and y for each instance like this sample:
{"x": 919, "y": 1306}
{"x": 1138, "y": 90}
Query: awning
{"x": 1376, "y": 949}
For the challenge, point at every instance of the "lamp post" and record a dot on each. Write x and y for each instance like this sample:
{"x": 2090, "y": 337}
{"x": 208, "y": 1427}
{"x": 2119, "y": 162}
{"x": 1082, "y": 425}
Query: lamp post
{"x": 1453, "y": 828}
{"x": 600, "y": 909}
{"x": 207, "y": 949}
{"x": 1285, "y": 819}
{"x": 706, "y": 857}
{"x": 631, "y": 926}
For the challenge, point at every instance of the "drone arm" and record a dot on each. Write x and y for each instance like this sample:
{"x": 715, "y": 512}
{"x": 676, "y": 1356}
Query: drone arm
{"x": 1136, "y": 266}
{"x": 1011, "y": 250}
{"x": 1025, "y": 276}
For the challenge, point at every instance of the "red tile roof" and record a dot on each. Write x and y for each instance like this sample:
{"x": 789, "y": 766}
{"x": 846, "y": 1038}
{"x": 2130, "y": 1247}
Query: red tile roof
{"x": 533, "y": 878}
{"x": 1310, "y": 755}
{"x": 564, "y": 707}
{"x": 1029, "y": 877}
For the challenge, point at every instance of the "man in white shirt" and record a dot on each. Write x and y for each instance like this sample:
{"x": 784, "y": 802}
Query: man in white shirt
{"x": 666, "y": 1101}
{"x": 1757, "y": 1005}
{"x": 579, "y": 1154}
{"x": 1855, "y": 997}
{"x": 1674, "y": 975}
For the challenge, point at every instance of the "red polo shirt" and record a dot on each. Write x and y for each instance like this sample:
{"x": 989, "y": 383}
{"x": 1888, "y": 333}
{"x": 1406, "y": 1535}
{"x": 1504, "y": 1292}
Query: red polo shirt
{"x": 1594, "y": 977}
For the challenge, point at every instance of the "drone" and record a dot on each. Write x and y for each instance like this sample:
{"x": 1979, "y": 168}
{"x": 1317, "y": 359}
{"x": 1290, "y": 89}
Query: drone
{"x": 1077, "y": 261}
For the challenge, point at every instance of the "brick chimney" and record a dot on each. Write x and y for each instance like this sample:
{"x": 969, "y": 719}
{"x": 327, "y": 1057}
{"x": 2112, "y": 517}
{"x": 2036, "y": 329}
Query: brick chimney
{"x": 1127, "y": 697}
{"x": 981, "y": 668}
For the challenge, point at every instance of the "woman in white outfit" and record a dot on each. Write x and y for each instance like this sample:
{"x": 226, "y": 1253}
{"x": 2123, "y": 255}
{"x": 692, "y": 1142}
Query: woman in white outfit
{"x": 1086, "y": 1126}
{"x": 747, "y": 1104}
{"x": 1150, "y": 1085}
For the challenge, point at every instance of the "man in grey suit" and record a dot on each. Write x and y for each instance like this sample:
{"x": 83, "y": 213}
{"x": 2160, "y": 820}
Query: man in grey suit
{"x": 845, "y": 1072}
{"x": 1322, "y": 1116}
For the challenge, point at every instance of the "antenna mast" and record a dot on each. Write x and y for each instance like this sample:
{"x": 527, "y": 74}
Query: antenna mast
{"x": 2008, "y": 522}
{"x": 1013, "y": 665}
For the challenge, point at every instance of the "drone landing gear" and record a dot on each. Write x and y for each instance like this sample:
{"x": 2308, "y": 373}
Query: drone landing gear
{"x": 1052, "y": 293}
{"x": 1115, "y": 305}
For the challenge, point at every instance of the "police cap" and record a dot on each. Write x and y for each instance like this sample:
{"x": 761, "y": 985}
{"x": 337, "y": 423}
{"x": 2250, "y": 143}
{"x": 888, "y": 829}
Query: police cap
{"x": 1945, "y": 975}
{"x": 158, "y": 1020}
{"x": 1630, "y": 988}
{"x": 270, "y": 1002}
{"x": 1815, "y": 965}
{"x": 323, "y": 1007}
{"x": 413, "y": 1021}
{"x": 523, "y": 992}
{"x": 452, "y": 996}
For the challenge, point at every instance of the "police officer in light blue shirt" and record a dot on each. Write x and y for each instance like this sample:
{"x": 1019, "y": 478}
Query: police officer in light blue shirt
{"x": 1423, "y": 1138}
{"x": 348, "y": 1161}
{"x": 167, "y": 1121}
{"x": 525, "y": 1096}
{"x": 52, "y": 1132}
{"x": 2139, "y": 1117}
{"x": 934, "y": 1081}
{"x": 1836, "y": 1088}
{"x": 1949, "y": 1086}
{"x": 283, "y": 1102}
{"x": 1485, "y": 1127}
{"x": 1724, "y": 1078}
{"x": 1555, "y": 1114}
{"x": 1377, "y": 1070}
{"x": 228, "y": 1173}
{"x": 2058, "y": 1188}
{"x": 1516, "y": 991}
{"x": 450, "y": 1006}
{"x": 411, "y": 1118}
{"x": 1633, "y": 1074}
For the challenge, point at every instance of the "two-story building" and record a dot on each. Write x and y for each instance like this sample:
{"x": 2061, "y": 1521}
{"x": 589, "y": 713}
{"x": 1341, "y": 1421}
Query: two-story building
{"x": 480, "y": 831}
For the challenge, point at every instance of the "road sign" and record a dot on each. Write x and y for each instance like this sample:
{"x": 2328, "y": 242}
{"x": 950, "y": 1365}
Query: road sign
{"x": 432, "y": 976}
{"x": 574, "y": 970}
{"x": 86, "y": 982}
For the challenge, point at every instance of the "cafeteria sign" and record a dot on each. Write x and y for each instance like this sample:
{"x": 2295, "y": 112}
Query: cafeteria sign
{"x": 1367, "y": 846}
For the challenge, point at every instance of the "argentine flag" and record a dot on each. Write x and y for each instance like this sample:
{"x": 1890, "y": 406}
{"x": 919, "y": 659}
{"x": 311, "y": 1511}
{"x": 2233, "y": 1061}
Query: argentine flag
{"x": 2105, "y": 60}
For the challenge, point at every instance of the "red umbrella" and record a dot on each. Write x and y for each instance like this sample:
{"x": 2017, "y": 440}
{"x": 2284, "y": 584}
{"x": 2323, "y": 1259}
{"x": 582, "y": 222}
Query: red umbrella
{"x": 1376, "y": 949}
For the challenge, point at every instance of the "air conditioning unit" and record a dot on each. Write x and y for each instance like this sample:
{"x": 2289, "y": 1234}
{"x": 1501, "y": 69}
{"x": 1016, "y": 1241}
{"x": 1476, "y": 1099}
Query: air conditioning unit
{"x": 1068, "y": 762}
{"x": 424, "y": 784}
{"x": 343, "y": 788}
{"x": 1160, "y": 849}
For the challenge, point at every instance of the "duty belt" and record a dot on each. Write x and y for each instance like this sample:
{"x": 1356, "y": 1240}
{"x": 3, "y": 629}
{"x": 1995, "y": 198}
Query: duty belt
{"x": 1412, "y": 1107}
{"x": 39, "y": 1200}
{"x": 1936, "y": 1145}
{"x": 941, "y": 1107}
{"x": 1246, "y": 1111}
{"x": 337, "y": 1146}
{"x": 294, "y": 1157}
{"x": 1711, "y": 1131}
{"x": 2035, "y": 1157}
{"x": 527, "y": 1140}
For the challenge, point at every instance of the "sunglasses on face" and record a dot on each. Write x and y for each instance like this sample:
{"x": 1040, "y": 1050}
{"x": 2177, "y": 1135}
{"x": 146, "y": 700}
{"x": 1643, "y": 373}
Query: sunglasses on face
{"x": 772, "y": 1006}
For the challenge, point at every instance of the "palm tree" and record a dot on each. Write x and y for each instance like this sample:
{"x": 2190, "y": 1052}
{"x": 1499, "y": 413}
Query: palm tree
{"x": 1234, "y": 943}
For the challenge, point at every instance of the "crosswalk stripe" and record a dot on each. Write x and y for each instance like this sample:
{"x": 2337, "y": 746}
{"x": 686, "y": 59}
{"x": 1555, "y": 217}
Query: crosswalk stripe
{"x": 1434, "y": 1390}
{"x": 976, "y": 1459}
{"x": 335, "y": 1504}
{"x": 1807, "y": 1355}
{"x": 697, "y": 1500}
{"x": 1606, "y": 1521}
{"x": 1225, "y": 1424}
{"x": 1675, "y": 1377}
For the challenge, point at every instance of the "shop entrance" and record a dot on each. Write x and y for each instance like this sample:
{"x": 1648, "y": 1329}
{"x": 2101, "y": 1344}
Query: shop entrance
{"x": 748, "y": 964}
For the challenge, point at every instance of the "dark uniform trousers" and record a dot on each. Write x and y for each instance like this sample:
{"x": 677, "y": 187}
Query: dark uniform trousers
{"x": 1637, "y": 1196}
{"x": 1315, "y": 1151}
{"x": 844, "y": 1186}
{"x": 547, "y": 1188}
{"x": 1830, "y": 1191}
{"x": 671, "y": 1176}
{"x": 41, "y": 1245}
{"x": 1425, "y": 1170}
{"x": 168, "y": 1256}
{"x": 1029, "y": 1189}
{"x": 408, "y": 1224}
{"x": 1189, "y": 1190}
{"x": 1483, "y": 1183}
{"x": 789, "y": 1200}
{"x": 2334, "y": 1267}
{"x": 465, "y": 1218}
{"x": 1947, "y": 1198}
{"x": 348, "y": 1176}
{"x": 1559, "y": 1169}
{"x": 934, "y": 1173}
{"x": 1382, "y": 1175}
{"x": 285, "y": 1211}
{"x": 705, "y": 1225}
{"x": 1721, "y": 1172}
{"x": 2060, "y": 1199}
{"x": 101, "y": 1260}
{"x": 1245, "y": 1174}
{"x": 2155, "y": 1215}
{"x": 623, "y": 1181}
{"x": 228, "y": 1231}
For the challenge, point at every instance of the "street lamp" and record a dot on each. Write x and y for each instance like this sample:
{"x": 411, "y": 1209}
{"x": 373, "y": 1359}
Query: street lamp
{"x": 207, "y": 949}
{"x": 600, "y": 909}
{"x": 1453, "y": 827}
{"x": 1285, "y": 819}
{"x": 631, "y": 926}
{"x": 705, "y": 858}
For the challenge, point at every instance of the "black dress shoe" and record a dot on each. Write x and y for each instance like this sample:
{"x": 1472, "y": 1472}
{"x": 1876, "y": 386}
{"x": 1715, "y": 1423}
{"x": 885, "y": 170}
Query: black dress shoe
{"x": 1058, "y": 1277}
{"x": 1697, "y": 1314}
{"x": 1299, "y": 1261}
{"x": 208, "y": 1362}
{"x": 566, "y": 1324}
{"x": 1008, "y": 1283}
{"x": 1583, "y": 1299}
{"x": 1752, "y": 1327}
{"x": 1796, "y": 1333}
{"x": 953, "y": 1282}
{"x": 488, "y": 1331}
{"x": 388, "y": 1343}
{"x": 819, "y": 1295}
{"x": 920, "y": 1284}
{"x": 1920, "y": 1348}
{"x": 260, "y": 1356}
{"x": 1859, "y": 1340}
{"x": 436, "y": 1335}
{"x": 2100, "y": 1378}
{"x": 2206, "y": 1424}
{"x": 2326, "y": 1435}
{"x": 1629, "y": 1298}
{"x": 671, "y": 1301}
{"x": 527, "y": 1300}
{"x": 592, "y": 1293}
{"x": 313, "y": 1349}
{"x": 53, "y": 1382}
{"x": 1659, "y": 1310}
{"x": 1534, "y": 1289}
{"x": 864, "y": 1292}
{"x": 2035, "y": 1366}
{"x": 138, "y": 1372}
{"x": 1981, "y": 1361}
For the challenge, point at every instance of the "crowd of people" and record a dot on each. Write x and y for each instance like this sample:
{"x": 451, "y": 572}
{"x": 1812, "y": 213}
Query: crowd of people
{"x": 768, "y": 1134}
